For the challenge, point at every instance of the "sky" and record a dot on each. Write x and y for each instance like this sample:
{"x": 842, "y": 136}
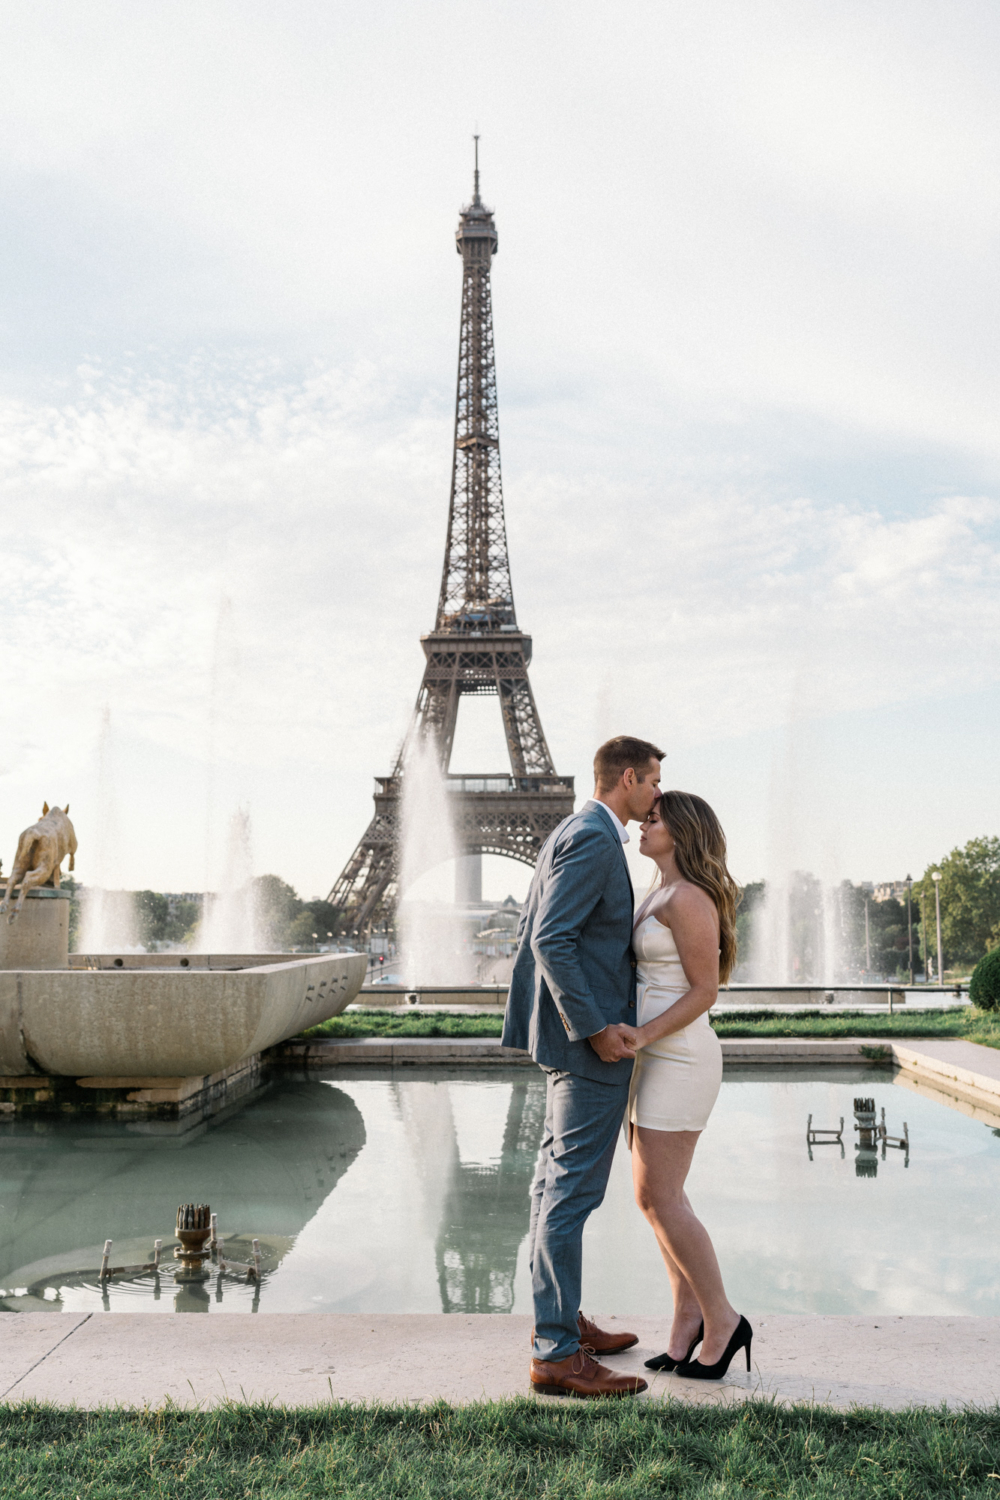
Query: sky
{"x": 746, "y": 329}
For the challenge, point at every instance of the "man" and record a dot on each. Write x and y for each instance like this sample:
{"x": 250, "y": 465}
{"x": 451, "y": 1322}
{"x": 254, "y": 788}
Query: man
{"x": 572, "y": 989}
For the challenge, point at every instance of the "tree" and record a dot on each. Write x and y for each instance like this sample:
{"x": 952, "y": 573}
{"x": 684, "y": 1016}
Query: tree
{"x": 157, "y": 923}
{"x": 889, "y": 938}
{"x": 984, "y": 987}
{"x": 182, "y": 921}
{"x": 970, "y": 901}
{"x": 277, "y": 905}
{"x": 152, "y": 914}
{"x": 71, "y": 884}
{"x": 317, "y": 917}
{"x": 751, "y": 897}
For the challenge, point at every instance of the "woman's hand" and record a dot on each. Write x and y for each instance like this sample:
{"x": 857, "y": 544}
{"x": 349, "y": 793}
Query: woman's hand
{"x": 629, "y": 1035}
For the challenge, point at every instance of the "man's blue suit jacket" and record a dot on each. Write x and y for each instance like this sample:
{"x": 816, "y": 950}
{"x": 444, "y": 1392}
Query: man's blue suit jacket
{"x": 574, "y": 972}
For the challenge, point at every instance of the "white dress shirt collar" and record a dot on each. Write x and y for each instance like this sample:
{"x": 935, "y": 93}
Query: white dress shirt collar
{"x": 620, "y": 828}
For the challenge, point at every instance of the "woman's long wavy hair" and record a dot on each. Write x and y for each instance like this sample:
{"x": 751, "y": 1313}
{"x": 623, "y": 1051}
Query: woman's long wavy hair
{"x": 700, "y": 852}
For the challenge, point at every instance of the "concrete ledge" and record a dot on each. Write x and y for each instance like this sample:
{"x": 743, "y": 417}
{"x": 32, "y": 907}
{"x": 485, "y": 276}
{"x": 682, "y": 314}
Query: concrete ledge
{"x": 422, "y": 1050}
{"x": 966, "y": 1064}
{"x": 170, "y": 1022}
{"x": 135, "y": 1360}
{"x": 180, "y": 960}
{"x": 801, "y": 1049}
{"x": 405, "y": 997}
{"x": 323, "y": 1051}
{"x": 138, "y": 1097}
{"x": 963, "y": 1070}
{"x": 972, "y": 1103}
{"x": 193, "y": 1091}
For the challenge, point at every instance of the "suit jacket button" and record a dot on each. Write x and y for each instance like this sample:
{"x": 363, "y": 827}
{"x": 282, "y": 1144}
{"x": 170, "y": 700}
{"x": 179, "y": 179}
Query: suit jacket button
{"x": 631, "y": 1005}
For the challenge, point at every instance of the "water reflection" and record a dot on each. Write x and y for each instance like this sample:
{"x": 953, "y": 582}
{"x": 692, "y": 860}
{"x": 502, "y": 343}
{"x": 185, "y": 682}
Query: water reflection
{"x": 484, "y": 1215}
{"x": 408, "y": 1192}
{"x": 465, "y": 1145}
{"x": 67, "y": 1185}
{"x": 472, "y": 1148}
{"x": 873, "y": 1135}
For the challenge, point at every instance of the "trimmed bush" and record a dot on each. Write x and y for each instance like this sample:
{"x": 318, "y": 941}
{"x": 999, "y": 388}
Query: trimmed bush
{"x": 984, "y": 987}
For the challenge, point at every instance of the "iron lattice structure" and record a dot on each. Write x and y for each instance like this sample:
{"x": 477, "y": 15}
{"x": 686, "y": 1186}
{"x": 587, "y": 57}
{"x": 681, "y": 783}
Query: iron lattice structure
{"x": 476, "y": 646}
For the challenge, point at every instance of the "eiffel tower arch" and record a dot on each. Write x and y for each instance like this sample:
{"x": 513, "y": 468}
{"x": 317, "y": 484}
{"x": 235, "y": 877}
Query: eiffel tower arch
{"x": 476, "y": 647}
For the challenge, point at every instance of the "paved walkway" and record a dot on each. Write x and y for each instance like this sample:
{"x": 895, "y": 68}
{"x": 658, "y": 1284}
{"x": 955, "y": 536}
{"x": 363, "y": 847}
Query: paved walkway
{"x": 138, "y": 1360}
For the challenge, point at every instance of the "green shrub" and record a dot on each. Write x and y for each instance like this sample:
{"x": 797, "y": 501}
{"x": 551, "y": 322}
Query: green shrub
{"x": 984, "y": 987}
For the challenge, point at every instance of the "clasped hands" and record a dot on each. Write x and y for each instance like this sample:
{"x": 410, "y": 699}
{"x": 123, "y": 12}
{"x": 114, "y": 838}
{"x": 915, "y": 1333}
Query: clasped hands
{"x": 616, "y": 1042}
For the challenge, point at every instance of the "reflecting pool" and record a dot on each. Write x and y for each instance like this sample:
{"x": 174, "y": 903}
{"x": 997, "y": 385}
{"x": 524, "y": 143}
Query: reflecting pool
{"x": 407, "y": 1192}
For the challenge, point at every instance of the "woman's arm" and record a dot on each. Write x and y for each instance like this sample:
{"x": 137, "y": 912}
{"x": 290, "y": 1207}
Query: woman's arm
{"x": 694, "y": 922}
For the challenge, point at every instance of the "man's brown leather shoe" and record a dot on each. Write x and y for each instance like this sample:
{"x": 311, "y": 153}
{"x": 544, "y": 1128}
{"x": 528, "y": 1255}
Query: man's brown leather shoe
{"x": 596, "y": 1340}
{"x": 579, "y": 1375}
{"x": 603, "y": 1343}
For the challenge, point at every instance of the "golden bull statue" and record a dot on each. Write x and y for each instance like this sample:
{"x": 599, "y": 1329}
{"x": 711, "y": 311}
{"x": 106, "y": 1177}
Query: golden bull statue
{"x": 41, "y": 850}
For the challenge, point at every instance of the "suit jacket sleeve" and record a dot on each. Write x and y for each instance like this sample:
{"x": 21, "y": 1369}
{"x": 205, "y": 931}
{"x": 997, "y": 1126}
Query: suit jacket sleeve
{"x": 577, "y": 881}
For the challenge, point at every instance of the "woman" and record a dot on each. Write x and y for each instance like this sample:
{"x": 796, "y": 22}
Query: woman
{"x": 685, "y": 943}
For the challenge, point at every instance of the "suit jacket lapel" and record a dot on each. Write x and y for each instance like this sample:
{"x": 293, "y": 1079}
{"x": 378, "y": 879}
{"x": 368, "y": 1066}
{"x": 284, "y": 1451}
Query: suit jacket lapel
{"x": 612, "y": 834}
{"x": 628, "y": 873}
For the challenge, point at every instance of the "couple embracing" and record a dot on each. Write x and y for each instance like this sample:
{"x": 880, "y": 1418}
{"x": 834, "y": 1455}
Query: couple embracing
{"x": 613, "y": 1003}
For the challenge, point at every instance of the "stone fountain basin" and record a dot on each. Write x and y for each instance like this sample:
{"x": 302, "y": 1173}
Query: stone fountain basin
{"x": 165, "y": 1022}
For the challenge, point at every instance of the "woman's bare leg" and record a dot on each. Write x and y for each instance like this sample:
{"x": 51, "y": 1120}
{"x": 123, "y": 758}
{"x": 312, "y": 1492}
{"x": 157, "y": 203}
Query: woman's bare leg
{"x": 661, "y": 1160}
{"x": 687, "y": 1309}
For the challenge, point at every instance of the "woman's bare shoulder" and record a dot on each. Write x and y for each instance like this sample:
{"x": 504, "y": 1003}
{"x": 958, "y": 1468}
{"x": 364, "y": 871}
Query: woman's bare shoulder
{"x": 683, "y": 899}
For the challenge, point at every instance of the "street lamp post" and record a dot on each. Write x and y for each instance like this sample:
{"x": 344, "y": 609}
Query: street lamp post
{"x": 909, "y": 925}
{"x": 868, "y": 945}
{"x": 936, "y": 877}
{"x": 925, "y": 938}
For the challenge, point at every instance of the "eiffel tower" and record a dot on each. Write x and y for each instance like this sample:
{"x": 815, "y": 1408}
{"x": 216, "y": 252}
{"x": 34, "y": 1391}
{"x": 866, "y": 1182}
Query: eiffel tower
{"x": 476, "y": 646}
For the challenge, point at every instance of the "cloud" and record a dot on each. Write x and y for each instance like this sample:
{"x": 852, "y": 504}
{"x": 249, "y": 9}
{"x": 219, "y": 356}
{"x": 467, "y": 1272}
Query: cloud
{"x": 309, "y": 509}
{"x": 748, "y": 384}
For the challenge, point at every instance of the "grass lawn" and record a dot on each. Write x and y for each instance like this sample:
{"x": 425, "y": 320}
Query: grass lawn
{"x": 967, "y": 1024}
{"x": 585, "y": 1451}
{"x": 406, "y": 1022}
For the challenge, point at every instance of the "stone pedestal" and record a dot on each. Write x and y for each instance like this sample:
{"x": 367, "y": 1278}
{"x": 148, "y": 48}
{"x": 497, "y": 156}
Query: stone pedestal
{"x": 38, "y": 937}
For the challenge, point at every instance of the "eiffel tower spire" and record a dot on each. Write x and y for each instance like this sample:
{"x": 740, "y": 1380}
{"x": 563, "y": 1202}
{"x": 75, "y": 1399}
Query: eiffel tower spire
{"x": 476, "y": 646}
{"x": 475, "y": 580}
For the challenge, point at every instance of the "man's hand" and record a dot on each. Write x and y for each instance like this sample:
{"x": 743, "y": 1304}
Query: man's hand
{"x": 614, "y": 1043}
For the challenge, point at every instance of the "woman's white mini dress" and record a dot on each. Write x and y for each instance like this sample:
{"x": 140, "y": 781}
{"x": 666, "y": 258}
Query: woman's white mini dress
{"x": 675, "y": 1081}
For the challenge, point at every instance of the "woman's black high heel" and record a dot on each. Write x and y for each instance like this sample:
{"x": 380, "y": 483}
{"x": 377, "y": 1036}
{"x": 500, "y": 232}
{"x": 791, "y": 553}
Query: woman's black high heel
{"x": 667, "y": 1362}
{"x": 692, "y": 1369}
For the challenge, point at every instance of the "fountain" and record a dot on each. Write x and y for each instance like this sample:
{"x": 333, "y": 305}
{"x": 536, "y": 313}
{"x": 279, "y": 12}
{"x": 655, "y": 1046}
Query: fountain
{"x": 433, "y": 941}
{"x": 134, "y": 1034}
{"x": 232, "y": 921}
{"x": 194, "y": 1227}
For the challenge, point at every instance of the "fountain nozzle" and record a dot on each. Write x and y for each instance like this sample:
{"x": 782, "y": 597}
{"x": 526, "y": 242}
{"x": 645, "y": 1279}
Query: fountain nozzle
{"x": 194, "y": 1227}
